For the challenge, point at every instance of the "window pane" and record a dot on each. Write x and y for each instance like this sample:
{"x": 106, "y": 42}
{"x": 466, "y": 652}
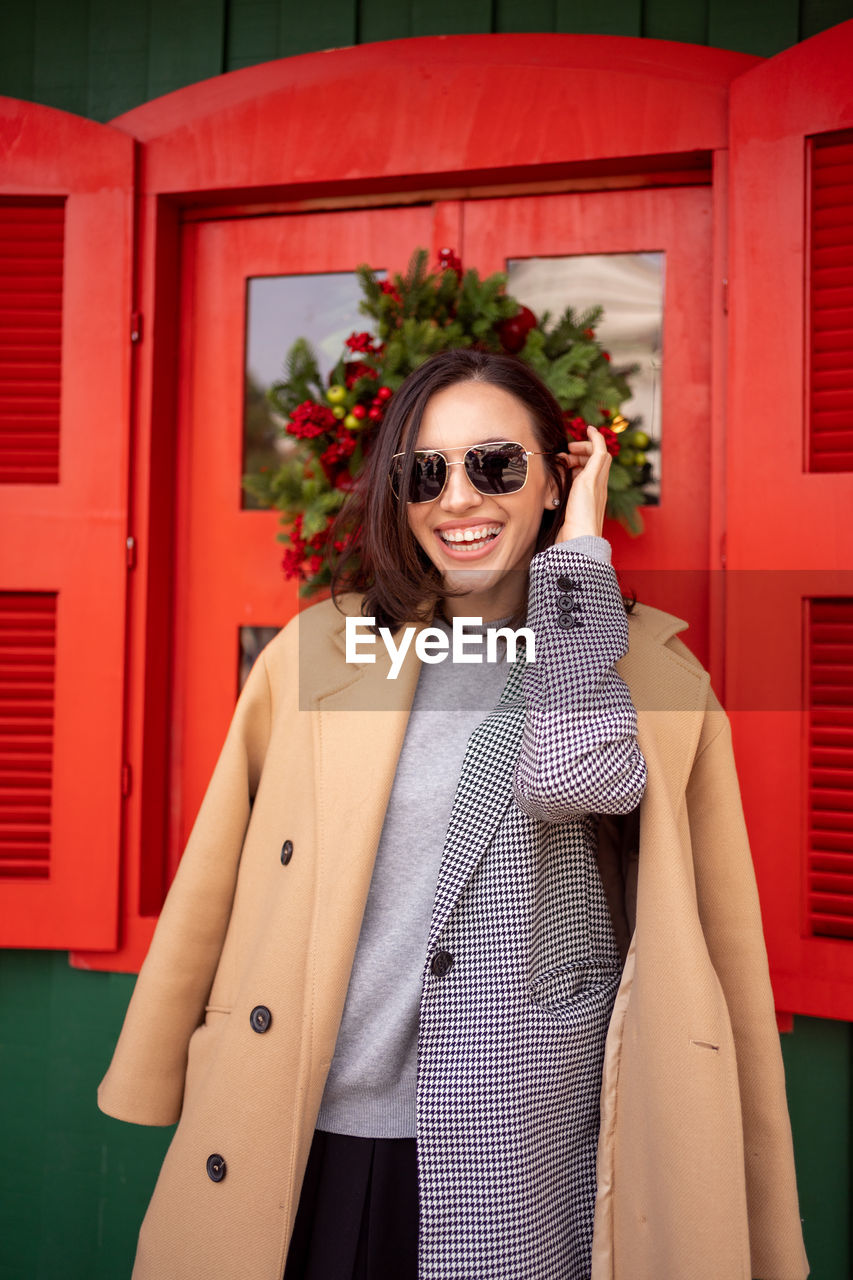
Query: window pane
{"x": 630, "y": 288}
{"x": 252, "y": 640}
{"x": 279, "y": 309}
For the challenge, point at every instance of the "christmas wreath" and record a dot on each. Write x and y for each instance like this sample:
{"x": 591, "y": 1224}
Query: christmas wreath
{"x": 327, "y": 429}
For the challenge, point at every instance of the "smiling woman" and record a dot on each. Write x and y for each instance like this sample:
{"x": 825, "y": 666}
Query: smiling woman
{"x": 478, "y": 446}
{"x": 506, "y": 972}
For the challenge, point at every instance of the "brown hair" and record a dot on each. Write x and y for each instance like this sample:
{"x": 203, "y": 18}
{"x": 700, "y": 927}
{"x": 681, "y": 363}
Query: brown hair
{"x": 384, "y": 560}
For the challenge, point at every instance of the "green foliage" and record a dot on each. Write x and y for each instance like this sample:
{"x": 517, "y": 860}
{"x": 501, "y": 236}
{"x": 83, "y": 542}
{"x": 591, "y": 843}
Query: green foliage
{"x": 414, "y": 315}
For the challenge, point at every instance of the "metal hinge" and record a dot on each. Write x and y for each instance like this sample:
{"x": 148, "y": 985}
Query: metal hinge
{"x": 136, "y": 326}
{"x": 126, "y": 779}
{"x": 130, "y": 552}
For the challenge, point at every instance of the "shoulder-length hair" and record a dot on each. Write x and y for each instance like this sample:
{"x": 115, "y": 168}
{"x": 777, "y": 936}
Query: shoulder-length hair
{"x": 382, "y": 559}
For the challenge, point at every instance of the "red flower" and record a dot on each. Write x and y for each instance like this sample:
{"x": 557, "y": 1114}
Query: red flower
{"x": 309, "y": 420}
{"x": 355, "y": 370}
{"x": 391, "y": 291}
{"x": 291, "y": 562}
{"x": 336, "y": 456}
{"x": 362, "y": 342}
{"x": 315, "y": 564}
{"x": 449, "y": 261}
{"x": 576, "y": 430}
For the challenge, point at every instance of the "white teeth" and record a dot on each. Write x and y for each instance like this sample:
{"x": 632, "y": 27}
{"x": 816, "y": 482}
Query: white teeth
{"x": 478, "y": 534}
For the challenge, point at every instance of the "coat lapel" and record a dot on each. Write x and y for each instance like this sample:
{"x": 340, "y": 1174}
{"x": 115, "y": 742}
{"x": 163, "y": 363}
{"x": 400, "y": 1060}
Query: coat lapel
{"x": 670, "y": 694}
{"x": 483, "y": 794}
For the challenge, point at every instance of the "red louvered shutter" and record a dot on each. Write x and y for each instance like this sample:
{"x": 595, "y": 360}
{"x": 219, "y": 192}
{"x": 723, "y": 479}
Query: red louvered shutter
{"x": 789, "y": 644}
{"x": 65, "y": 271}
{"x": 32, "y": 235}
{"x": 830, "y": 776}
{"x": 831, "y": 303}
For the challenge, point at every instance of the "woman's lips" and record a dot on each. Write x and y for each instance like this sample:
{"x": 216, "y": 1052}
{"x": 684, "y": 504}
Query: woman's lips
{"x": 483, "y": 539}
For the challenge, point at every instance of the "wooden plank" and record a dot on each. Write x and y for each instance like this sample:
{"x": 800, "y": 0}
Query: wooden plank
{"x": 525, "y": 15}
{"x": 186, "y": 43}
{"x": 17, "y": 51}
{"x": 819, "y": 15}
{"x": 763, "y": 27}
{"x": 383, "y": 20}
{"x": 251, "y": 32}
{"x": 61, "y": 68}
{"x": 118, "y": 58}
{"x": 303, "y": 28}
{"x": 618, "y": 18}
{"x": 674, "y": 20}
{"x": 450, "y": 18}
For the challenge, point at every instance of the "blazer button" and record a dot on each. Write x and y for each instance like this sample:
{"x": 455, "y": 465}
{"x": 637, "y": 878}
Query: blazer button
{"x": 260, "y": 1018}
{"x": 441, "y": 963}
{"x": 568, "y": 622}
{"x": 216, "y": 1168}
{"x": 567, "y": 584}
{"x": 286, "y": 852}
{"x": 567, "y": 605}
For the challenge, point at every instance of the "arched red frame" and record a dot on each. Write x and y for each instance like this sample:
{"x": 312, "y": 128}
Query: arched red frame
{"x": 336, "y": 129}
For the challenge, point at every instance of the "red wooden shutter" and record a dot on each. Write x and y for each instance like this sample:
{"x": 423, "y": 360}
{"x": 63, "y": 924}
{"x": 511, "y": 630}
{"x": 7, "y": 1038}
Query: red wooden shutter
{"x": 830, "y": 436}
{"x": 830, "y": 765}
{"x": 790, "y": 494}
{"x": 65, "y": 270}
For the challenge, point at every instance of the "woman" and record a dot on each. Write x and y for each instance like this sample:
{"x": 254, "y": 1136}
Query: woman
{"x": 300, "y": 911}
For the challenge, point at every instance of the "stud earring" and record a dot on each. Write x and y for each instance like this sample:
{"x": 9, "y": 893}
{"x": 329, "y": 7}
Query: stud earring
{"x": 555, "y": 502}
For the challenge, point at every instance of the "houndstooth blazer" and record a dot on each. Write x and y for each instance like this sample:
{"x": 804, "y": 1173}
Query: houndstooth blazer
{"x": 522, "y": 965}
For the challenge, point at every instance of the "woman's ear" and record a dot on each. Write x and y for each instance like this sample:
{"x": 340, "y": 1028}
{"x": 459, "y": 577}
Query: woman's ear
{"x": 556, "y": 488}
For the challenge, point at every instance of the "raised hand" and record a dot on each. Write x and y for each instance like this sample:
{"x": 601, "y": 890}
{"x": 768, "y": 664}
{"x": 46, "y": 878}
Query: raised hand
{"x": 589, "y": 462}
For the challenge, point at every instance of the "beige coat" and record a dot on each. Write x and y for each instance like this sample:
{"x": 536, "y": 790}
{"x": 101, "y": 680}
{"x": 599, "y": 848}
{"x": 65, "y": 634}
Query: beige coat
{"x": 696, "y": 1176}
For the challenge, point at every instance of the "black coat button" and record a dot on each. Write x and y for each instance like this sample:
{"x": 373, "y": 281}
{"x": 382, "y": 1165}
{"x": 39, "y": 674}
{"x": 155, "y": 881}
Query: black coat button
{"x": 567, "y": 584}
{"x": 216, "y": 1168}
{"x": 441, "y": 963}
{"x": 566, "y": 604}
{"x": 286, "y": 852}
{"x": 260, "y": 1018}
{"x": 568, "y": 622}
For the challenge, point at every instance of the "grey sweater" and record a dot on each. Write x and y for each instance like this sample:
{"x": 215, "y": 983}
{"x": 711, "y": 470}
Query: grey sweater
{"x": 371, "y": 1087}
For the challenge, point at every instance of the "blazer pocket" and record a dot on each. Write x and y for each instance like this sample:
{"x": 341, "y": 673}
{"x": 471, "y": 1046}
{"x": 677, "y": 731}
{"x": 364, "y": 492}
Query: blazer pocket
{"x": 568, "y": 988}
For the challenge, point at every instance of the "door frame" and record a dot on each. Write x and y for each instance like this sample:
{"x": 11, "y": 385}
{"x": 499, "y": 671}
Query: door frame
{"x": 256, "y": 141}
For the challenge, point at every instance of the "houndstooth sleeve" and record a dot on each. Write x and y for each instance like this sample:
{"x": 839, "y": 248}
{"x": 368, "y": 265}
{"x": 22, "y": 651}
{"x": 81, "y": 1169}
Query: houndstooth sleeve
{"x": 579, "y": 751}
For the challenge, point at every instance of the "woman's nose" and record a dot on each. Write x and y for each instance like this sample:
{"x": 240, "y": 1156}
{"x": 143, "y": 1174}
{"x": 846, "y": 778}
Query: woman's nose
{"x": 459, "y": 494}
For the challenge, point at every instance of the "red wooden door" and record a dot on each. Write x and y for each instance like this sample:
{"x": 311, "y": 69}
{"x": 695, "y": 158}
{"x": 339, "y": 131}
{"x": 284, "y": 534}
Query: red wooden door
{"x": 65, "y": 203}
{"x": 789, "y": 642}
{"x": 228, "y": 573}
{"x": 668, "y": 565}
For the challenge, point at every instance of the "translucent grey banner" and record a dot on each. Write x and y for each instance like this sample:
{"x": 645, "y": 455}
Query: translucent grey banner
{"x": 771, "y": 640}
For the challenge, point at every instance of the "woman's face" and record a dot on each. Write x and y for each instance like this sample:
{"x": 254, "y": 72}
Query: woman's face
{"x": 491, "y": 568}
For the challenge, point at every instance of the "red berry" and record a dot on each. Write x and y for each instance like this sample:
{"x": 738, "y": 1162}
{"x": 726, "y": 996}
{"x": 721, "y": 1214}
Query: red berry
{"x": 359, "y": 411}
{"x": 589, "y": 333}
{"x": 526, "y": 319}
{"x": 512, "y": 335}
{"x": 606, "y": 355}
{"x": 375, "y": 414}
{"x": 384, "y": 393}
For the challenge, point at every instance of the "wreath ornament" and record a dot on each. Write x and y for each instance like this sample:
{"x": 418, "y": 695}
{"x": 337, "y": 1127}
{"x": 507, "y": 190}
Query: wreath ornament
{"x": 327, "y": 429}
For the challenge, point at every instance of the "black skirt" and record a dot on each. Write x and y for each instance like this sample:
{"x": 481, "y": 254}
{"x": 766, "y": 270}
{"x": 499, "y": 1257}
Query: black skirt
{"x": 358, "y": 1211}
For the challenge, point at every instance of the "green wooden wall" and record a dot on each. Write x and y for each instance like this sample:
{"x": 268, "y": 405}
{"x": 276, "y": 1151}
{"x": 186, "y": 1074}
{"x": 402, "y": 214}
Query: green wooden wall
{"x": 73, "y": 1183}
{"x": 101, "y": 57}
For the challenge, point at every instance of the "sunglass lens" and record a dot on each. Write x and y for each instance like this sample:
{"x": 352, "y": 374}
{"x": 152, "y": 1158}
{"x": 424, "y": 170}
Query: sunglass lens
{"x": 497, "y": 468}
{"x": 426, "y": 482}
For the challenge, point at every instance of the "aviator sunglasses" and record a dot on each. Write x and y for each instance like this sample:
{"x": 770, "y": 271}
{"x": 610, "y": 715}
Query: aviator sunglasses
{"x": 497, "y": 468}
